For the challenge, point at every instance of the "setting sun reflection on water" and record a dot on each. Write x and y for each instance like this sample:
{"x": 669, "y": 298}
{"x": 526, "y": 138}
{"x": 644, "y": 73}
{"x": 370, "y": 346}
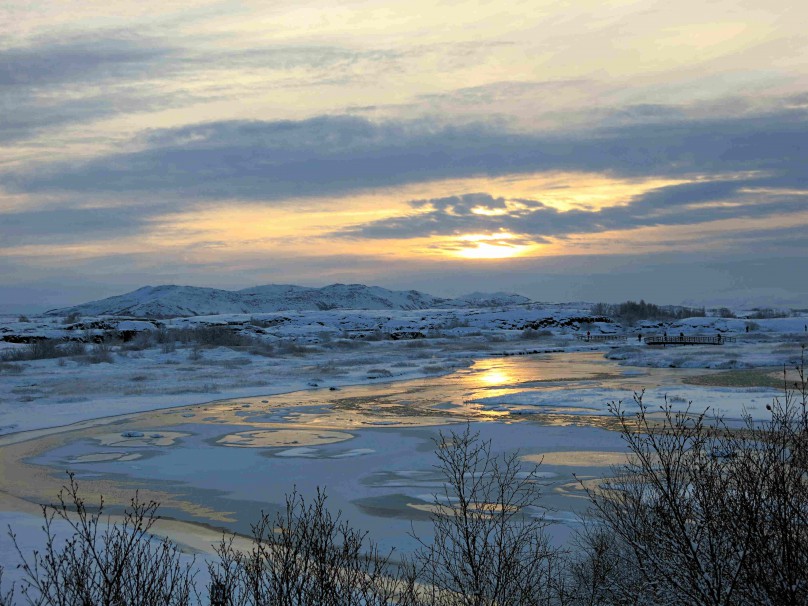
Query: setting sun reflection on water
{"x": 372, "y": 444}
{"x": 495, "y": 376}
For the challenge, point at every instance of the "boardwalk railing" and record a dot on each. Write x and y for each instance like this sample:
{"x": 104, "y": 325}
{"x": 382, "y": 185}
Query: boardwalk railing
{"x": 687, "y": 340}
{"x": 600, "y": 338}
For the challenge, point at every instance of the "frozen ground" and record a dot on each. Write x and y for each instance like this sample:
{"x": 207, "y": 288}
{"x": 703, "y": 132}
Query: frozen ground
{"x": 296, "y": 350}
{"x": 148, "y": 365}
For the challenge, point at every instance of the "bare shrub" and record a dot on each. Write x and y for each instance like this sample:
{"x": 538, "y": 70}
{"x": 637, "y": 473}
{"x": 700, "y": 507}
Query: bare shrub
{"x": 262, "y": 348}
{"x": 71, "y": 318}
{"x": 103, "y": 562}
{"x": 416, "y": 344}
{"x": 11, "y": 368}
{"x": 348, "y": 344}
{"x": 304, "y": 556}
{"x": 214, "y": 336}
{"x": 43, "y": 349}
{"x": 596, "y": 574}
{"x": 488, "y": 547}
{"x": 708, "y": 514}
{"x": 6, "y": 596}
{"x": 142, "y": 340}
{"x": 632, "y": 311}
{"x": 293, "y": 348}
{"x": 455, "y": 322}
{"x": 101, "y": 353}
{"x": 530, "y": 334}
{"x": 73, "y": 348}
{"x": 40, "y": 349}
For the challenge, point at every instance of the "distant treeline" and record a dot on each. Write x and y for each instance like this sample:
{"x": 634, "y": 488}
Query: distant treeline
{"x": 632, "y": 311}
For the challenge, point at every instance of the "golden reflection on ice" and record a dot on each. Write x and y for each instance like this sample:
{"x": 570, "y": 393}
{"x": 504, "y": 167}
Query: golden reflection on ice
{"x": 578, "y": 458}
{"x": 495, "y": 376}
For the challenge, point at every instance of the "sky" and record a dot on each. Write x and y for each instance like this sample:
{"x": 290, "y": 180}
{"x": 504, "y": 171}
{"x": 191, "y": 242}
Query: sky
{"x": 599, "y": 150}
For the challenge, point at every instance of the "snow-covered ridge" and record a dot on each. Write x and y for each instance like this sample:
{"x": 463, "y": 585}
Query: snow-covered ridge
{"x": 177, "y": 301}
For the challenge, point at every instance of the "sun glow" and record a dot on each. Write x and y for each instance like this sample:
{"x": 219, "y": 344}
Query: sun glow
{"x": 494, "y": 377}
{"x": 491, "y": 246}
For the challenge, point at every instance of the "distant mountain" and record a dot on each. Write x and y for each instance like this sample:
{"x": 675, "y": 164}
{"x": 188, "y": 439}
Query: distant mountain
{"x": 173, "y": 301}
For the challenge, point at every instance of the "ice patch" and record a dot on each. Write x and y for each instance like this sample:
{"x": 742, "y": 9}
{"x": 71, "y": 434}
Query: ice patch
{"x": 356, "y": 452}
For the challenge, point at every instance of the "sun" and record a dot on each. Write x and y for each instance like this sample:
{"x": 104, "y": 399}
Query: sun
{"x": 491, "y": 246}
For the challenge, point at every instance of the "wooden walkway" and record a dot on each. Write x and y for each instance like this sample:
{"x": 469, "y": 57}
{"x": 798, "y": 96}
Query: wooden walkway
{"x": 600, "y": 338}
{"x": 687, "y": 340}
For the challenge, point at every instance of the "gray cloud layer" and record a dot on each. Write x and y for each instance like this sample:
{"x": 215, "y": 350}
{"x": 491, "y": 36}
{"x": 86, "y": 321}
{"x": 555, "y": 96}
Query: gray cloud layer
{"x": 55, "y": 82}
{"x": 79, "y": 60}
{"x": 337, "y": 154}
{"x": 273, "y": 161}
{"x": 666, "y": 206}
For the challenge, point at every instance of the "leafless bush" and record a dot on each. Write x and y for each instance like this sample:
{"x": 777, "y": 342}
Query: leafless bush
{"x": 6, "y": 596}
{"x": 596, "y": 572}
{"x": 103, "y": 563}
{"x": 708, "y": 514}
{"x": 416, "y": 344}
{"x": 214, "y": 336}
{"x": 11, "y": 368}
{"x": 101, "y": 353}
{"x": 488, "y": 548}
{"x": 142, "y": 340}
{"x": 304, "y": 556}
{"x": 44, "y": 349}
{"x": 292, "y": 348}
{"x": 530, "y": 334}
{"x": 455, "y": 322}
{"x": 262, "y": 348}
{"x": 71, "y": 318}
{"x": 376, "y": 335}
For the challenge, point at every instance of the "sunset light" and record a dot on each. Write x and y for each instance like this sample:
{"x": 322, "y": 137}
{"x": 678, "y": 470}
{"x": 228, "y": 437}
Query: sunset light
{"x": 399, "y": 255}
{"x": 492, "y": 246}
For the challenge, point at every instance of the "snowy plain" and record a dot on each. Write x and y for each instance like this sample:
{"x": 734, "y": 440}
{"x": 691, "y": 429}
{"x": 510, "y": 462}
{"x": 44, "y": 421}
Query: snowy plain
{"x": 125, "y": 369}
{"x": 296, "y": 350}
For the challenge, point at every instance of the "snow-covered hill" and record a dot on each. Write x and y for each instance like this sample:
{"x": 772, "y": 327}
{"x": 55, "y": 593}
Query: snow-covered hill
{"x": 174, "y": 301}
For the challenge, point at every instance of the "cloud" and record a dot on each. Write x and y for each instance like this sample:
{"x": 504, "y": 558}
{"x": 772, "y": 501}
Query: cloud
{"x": 685, "y": 204}
{"x": 273, "y": 160}
{"x": 73, "y": 225}
{"x": 52, "y": 82}
{"x": 80, "y": 59}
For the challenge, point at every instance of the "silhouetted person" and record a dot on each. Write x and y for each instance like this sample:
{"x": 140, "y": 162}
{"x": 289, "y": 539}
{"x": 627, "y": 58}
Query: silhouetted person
{"x": 639, "y": 338}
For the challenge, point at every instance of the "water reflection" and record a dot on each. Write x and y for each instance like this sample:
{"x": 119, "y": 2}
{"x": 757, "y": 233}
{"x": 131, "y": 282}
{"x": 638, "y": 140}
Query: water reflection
{"x": 370, "y": 445}
{"x": 494, "y": 376}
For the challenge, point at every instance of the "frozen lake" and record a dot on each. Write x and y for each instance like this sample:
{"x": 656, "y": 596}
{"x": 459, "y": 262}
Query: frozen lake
{"x": 371, "y": 447}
